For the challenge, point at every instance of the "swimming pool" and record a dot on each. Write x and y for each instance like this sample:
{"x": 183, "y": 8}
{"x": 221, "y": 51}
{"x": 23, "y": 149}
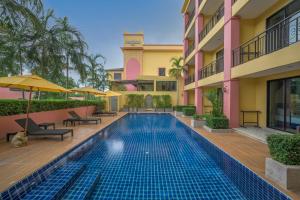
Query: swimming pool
{"x": 145, "y": 156}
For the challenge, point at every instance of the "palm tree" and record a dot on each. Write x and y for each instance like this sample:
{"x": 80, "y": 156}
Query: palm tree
{"x": 96, "y": 71}
{"x": 177, "y": 71}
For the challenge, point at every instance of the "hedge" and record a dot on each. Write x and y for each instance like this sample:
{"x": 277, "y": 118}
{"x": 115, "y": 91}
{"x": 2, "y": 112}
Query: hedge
{"x": 15, "y": 107}
{"x": 217, "y": 122}
{"x": 179, "y": 108}
{"x": 189, "y": 111}
{"x": 200, "y": 117}
{"x": 285, "y": 148}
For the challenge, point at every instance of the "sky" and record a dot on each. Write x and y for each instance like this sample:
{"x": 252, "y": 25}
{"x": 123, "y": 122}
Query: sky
{"x": 103, "y": 22}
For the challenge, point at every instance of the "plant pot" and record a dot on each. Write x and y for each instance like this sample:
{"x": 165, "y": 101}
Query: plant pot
{"x": 287, "y": 176}
{"x": 196, "y": 123}
{"x": 178, "y": 114}
{"x": 211, "y": 130}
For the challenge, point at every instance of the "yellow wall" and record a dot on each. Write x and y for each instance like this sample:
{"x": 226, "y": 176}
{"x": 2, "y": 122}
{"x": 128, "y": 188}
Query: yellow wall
{"x": 111, "y": 72}
{"x": 152, "y": 60}
{"x": 253, "y": 94}
{"x": 191, "y": 97}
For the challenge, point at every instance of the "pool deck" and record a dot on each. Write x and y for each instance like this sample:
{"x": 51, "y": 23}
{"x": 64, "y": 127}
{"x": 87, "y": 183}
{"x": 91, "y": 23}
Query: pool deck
{"x": 252, "y": 153}
{"x": 17, "y": 163}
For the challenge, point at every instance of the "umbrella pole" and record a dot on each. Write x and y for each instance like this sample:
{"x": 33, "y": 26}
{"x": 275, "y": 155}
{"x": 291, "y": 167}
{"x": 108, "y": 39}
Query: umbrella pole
{"x": 28, "y": 109}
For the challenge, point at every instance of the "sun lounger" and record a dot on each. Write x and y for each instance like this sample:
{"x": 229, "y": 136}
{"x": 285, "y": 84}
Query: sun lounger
{"x": 76, "y": 118}
{"x": 99, "y": 112}
{"x": 33, "y": 129}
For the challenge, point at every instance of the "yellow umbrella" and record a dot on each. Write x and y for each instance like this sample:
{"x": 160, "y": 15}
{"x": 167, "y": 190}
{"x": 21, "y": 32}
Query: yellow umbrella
{"x": 30, "y": 83}
{"x": 88, "y": 90}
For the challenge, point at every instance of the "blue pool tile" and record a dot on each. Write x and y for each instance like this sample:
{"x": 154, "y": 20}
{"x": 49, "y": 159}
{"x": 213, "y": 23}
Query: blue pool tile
{"x": 148, "y": 156}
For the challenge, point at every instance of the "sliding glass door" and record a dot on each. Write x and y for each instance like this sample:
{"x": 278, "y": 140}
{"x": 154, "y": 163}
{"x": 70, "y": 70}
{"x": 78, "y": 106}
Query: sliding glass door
{"x": 284, "y": 104}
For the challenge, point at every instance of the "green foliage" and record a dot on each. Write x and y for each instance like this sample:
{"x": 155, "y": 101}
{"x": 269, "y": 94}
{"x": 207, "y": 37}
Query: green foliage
{"x": 14, "y": 107}
{"x": 157, "y": 101}
{"x": 217, "y": 122}
{"x": 179, "y": 108}
{"x": 200, "y": 117}
{"x": 135, "y": 100}
{"x": 285, "y": 148}
{"x": 213, "y": 97}
{"x": 166, "y": 101}
{"x": 177, "y": 71}
{"x": 189, "y": 111}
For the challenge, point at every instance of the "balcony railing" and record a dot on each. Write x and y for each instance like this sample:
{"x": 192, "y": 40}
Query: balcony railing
{"x": 281, "y": 35}
{"x": 212, "y": 22}
{"x": 190, "y": 79}
{"x": 189, "y": 50}
{"x": 215, "y": 67}
{"x": 191, "y": 16}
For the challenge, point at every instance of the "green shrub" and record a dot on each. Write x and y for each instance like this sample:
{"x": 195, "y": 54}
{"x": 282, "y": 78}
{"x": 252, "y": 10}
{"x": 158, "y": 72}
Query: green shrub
{"x": 217, "y": 122}
{"x": 179, "y": 108}
{"x": 14, "y": 107}
{"x": 156, "y": 101}
{"x": 166, "y": 101}
{"x": 200, "y": 117}
{"x": 285, "y": 148}
{"x": 189, "y": 111}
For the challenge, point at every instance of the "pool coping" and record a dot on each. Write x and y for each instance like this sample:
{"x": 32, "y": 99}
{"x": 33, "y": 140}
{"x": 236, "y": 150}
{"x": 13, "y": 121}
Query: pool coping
{"x": 20, "y": 188}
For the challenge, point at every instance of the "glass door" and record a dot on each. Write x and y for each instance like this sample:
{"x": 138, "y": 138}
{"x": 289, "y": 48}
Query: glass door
{"x": 284, "y": 104}
{"x": 276, "y": 104}
{"x": 292, "y": 105}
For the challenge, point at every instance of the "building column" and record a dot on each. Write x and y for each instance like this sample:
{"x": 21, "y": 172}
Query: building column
{"x": 199, "y": 24}
{"x": 231, "y": 86}
{"x": 185, "y": 98}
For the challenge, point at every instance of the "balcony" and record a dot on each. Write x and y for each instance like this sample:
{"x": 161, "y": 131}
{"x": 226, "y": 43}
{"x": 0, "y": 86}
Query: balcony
{"x": 190, "y": 79}
{"x": 213, "y": 68}
{"x": 276, "y": 50}
{"x": 279, "y": 36}
{"x": 212, "y": 22}
{"x": 189, "y": 50}
{"x": 191, "y": 17}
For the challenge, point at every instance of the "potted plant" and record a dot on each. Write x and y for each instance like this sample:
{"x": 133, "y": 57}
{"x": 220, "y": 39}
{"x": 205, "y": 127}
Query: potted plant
{"x": 284, "y": 165}
{"x": 198, "y": 121}
{"x": 216, "y": 121}
{"x": 188, "y": 111}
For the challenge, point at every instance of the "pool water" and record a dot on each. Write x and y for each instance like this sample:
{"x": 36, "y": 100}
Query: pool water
{"x": 150, "y": 156}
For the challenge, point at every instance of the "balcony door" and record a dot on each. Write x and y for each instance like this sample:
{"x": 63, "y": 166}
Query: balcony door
{"x": 284, "y": 104}
{"x": 283, "y": 28}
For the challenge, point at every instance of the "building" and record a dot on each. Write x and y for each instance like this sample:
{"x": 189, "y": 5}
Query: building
{"x": 249, "y": 50}
{"x": 145, "y": 71}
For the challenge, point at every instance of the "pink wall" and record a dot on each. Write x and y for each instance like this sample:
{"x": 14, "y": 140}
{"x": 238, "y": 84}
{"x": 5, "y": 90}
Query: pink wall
{"x": 231, "y": 87}
{"x": 6, "y": 93}
{"x": 133, "y": 70}
{"x": 8, "y": 124}
{"x": 185, "y": 98}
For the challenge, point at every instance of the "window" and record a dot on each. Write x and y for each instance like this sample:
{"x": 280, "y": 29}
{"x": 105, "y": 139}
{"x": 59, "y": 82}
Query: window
{"x": 166, "y": 86}
{"x": 117, "y": 76}
{"x": 161, "y": 71}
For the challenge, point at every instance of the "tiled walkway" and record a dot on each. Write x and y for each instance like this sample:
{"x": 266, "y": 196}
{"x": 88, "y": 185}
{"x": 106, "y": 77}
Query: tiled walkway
{"x": 248, "y": 151}
{"x": 17, "y": 163}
